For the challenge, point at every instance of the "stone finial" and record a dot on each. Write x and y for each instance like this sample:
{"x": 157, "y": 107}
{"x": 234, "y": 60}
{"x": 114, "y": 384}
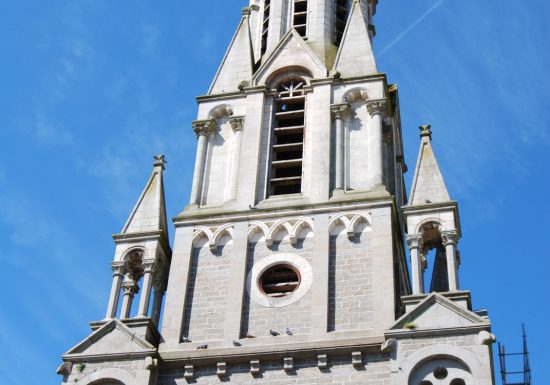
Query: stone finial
{"x": 204, "y": 127}
{"x": 160, "y": 161}
{"x": 426, "y": 132}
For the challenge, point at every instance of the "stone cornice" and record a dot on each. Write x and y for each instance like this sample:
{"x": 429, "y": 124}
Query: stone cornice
{"x": 273, "y": 352}
{"x": 229, "y": 95}
{"x": 221, "y": 216}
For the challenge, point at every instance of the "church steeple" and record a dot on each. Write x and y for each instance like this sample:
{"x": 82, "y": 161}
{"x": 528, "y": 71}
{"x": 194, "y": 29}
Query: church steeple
{"x": 432, "y": 222}
{"x": 143, "y": 252}
{"x": 289, "y": 263}
{"x": 428, "y": 185}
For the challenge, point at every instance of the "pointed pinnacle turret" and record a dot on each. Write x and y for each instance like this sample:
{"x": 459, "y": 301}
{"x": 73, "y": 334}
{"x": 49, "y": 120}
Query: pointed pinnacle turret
{"x": 149, "y": 213}
{"x": 428, "y": 183}
{"x": 238, "y": 63}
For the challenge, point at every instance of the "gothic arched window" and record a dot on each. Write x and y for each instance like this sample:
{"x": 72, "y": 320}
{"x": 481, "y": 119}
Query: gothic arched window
{"x": 288, "y": 137}
{"x": 299, "y": 17}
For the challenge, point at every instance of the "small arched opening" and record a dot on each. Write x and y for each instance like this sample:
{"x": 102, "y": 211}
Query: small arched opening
{"x": 442, "y": 370}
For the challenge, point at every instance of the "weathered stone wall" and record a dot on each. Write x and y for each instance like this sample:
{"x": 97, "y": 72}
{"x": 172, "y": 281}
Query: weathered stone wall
{"x": 257, "y": 319}
{"x": 207, "y": 292}
{"x": 350, "y": 282}
{"x": 375, "y": 371}
{"x": 414, "y": 344}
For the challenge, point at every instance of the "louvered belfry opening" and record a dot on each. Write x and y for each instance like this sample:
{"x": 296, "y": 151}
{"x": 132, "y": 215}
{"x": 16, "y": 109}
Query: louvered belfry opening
{"x": 300, "y": 17}
{"x": 265, "y": 24}
{"x": 288, "y": 138}
{"x": 279, "y": 281}
{"x": 341, "y": 19}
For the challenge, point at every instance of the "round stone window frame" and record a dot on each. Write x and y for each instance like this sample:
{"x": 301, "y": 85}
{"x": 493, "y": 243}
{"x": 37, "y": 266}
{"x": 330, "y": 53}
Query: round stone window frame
{"x": 295, "y": 261}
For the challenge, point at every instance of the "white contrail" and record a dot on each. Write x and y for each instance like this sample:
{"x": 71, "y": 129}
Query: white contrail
{"x": 410, "y": 27}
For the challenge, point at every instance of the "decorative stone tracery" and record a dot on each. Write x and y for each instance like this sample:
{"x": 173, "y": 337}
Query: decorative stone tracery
{"x": 351, "y": 222}
{"x": 214, "y": 234}
{"x": 270, "y": 229}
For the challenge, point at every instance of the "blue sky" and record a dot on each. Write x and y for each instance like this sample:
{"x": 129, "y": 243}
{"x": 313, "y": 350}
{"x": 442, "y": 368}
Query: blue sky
{"x": 90, "y": 90}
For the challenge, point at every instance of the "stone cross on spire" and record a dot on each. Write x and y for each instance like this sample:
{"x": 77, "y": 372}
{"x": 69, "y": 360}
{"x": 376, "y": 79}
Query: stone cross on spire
{"x": 159, "y": 161}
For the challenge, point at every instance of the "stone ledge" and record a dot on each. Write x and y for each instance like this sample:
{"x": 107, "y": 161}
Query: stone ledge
{"x": 198, "y": 216}
{"x": 431, "y": 333}
{"x": 273, "y": 352}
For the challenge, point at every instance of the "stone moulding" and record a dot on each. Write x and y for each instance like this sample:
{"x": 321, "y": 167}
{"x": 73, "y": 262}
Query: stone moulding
{"x": 351, "y": 221}
{"x": 213, "y": 234}
{"x": 270, "y": 230}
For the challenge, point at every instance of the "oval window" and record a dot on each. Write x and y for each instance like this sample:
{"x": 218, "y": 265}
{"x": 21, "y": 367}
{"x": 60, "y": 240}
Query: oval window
{"x": 279, "y": 281}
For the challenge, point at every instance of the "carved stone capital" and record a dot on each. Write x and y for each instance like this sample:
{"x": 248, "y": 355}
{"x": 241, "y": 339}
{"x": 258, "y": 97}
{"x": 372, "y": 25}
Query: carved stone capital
{"x": 415, "y": 241}
{"x": 237, "y": 123}
{"x": 339, "y": 111}
{"x": 204, "y": 127}
{"x": 449, "y": 237}
{"x": 129, "y": 288}
{"x": 118, "y": 268}
{"x": 149, "y": 265}
{"x": 377, "y": 107}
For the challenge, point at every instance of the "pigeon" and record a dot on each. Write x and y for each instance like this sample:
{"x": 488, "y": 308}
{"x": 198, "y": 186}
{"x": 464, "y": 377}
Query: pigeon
{"x": 273, "y": 333}
{"x": 288, "y": 331}
{"x": 205, "y": 346}
{"x": 237, "y": 343}
{"x": 185, "y": 339}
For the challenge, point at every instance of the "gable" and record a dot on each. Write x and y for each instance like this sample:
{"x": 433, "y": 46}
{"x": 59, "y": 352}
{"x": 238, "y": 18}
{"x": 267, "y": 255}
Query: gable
{"x": 237, "y": 64}
{"x": 437, "y": 312}
{"x": 112, "y": 338}
{"x": 355, "y": 56}
{"x": 291, "y": 51}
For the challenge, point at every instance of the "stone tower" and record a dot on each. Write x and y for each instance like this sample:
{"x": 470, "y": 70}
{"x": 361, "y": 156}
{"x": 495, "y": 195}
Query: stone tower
{"x": 289, "y": 263}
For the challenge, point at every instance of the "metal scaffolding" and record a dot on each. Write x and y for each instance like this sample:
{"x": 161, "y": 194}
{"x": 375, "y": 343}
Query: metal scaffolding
{"x": 514, "y": 376}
